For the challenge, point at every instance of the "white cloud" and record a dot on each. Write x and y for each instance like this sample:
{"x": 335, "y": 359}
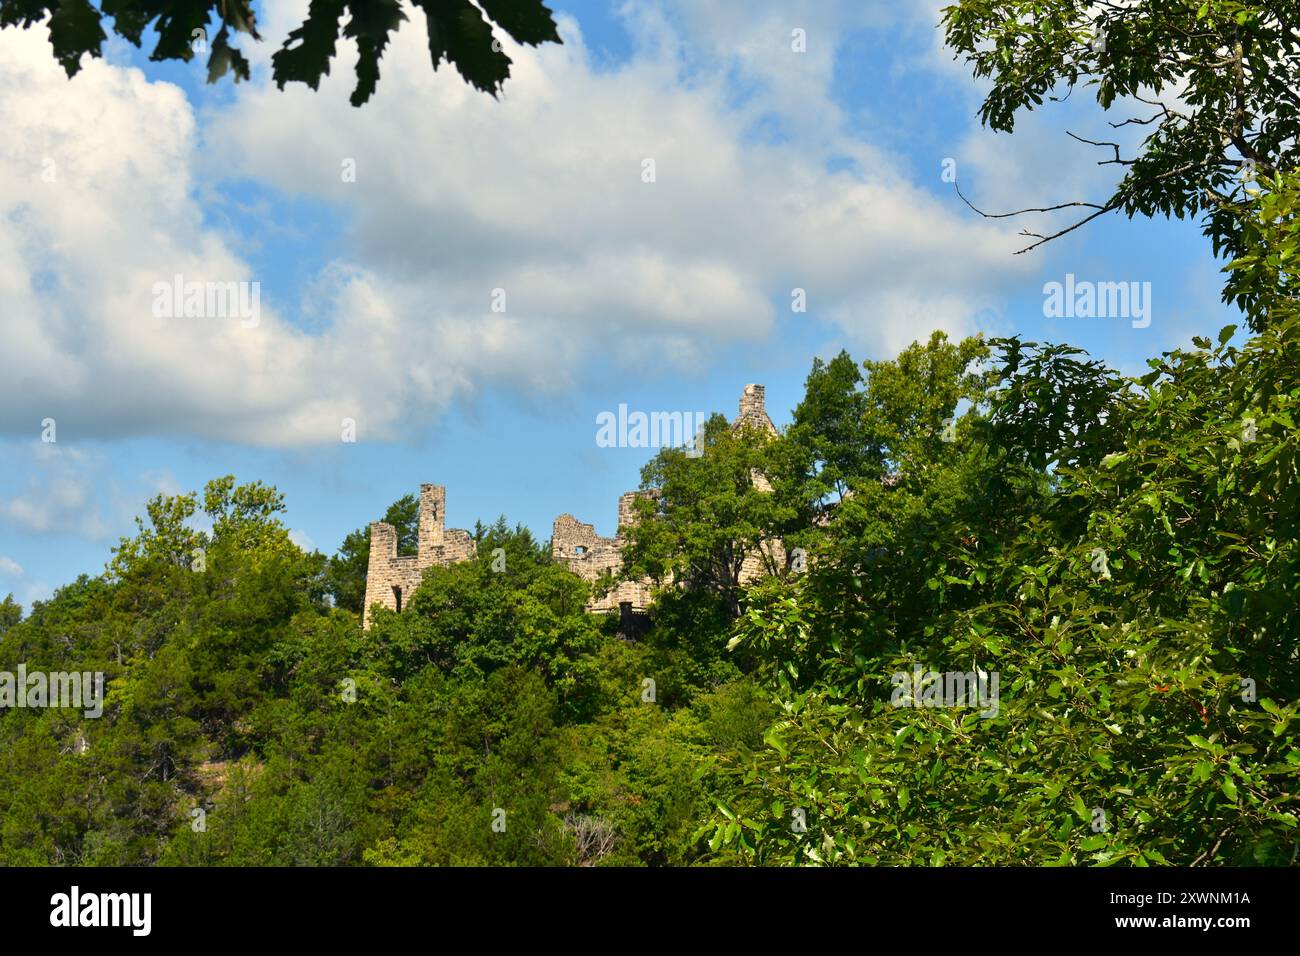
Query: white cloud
{"x": 59, "y": 494}
{"x": 160, "y": 482}
{"x": 539, "y": 194}
{"x": 302, "y": 539}
{"x": 33, "y": 592}
{"x": 60, "y": 488}
{"x": 10, "y": 567}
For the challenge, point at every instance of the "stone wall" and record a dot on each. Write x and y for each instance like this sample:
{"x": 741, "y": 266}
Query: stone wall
{"x": 755, "y": 564}
{"x": 391, "y": 578}
{"x": 591, "y": 557}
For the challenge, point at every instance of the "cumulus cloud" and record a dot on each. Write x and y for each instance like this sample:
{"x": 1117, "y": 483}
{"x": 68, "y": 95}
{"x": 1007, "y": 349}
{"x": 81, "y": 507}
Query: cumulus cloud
{"x": 60, "y": 488}
{"x": 96, "y": 207}
{"x": 541, "y": 195}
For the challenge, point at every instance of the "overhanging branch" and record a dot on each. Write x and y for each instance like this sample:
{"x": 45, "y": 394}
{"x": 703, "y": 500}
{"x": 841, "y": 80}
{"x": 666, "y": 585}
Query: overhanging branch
{"x": 1098, "y": 210}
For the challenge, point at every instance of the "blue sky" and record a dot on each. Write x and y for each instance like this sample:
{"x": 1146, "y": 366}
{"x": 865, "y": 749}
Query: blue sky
{"x": 774, "y": 170}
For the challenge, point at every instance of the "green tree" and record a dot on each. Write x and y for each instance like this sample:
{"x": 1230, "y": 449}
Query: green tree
{"x": 1265, "y": 277}
{"x": 1137, "y": 617}
{"x": 488, "y": 793}
{"x": 1215, "y": 83}
{"x": 826, "y": 445}
{"x": 474, "y": 617}
{"x": 11, "y": 612}
{"x": 168, "y": 538}
{"x": 245, "y": 517}
{"x": 709, "y": 513}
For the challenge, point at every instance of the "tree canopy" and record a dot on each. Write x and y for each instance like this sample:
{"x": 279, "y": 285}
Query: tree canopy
{"x": 1213, "y": 86}
{"x": 1110, "y": 559}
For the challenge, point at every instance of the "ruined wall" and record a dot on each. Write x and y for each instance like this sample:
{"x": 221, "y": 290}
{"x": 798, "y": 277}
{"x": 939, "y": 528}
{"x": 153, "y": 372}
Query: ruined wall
{"x": 627, "y": 508}
{"x": 591, "y": 557}
{"x": 391, "y": 578}
{"x": 458, "y": 545}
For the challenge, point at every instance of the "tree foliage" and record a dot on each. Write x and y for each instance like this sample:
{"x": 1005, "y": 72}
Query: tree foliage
{"x": 1136, "y": 612}
{"x": 459, "y": 32}
{"x": 1213, "y": 86}
{"x": 960, "y": 497}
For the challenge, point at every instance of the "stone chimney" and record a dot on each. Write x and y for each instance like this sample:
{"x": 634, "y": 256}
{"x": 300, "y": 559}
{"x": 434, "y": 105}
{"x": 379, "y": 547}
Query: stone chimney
{"x": 433, "y": 505}
{"x": 753, "y": 409}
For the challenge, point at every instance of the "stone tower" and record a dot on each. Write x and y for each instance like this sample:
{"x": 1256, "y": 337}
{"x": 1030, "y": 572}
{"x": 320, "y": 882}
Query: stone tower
{"x": 753, "y": 412}
{"x": 392, "y": 578}
{"x": 433, "y": 504}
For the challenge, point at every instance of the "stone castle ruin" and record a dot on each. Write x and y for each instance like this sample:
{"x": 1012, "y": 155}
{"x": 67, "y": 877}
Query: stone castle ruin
{"x": 392, "y": 578}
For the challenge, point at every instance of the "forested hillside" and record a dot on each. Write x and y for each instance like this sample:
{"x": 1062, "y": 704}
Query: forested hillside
{"x": 1121, "y": 553}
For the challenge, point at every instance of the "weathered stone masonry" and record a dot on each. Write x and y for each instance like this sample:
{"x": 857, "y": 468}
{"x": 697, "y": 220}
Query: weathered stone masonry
{"x": 753, "y": 412}
{"x": 590, "y": 556}
{"x": 391, "y": 578}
